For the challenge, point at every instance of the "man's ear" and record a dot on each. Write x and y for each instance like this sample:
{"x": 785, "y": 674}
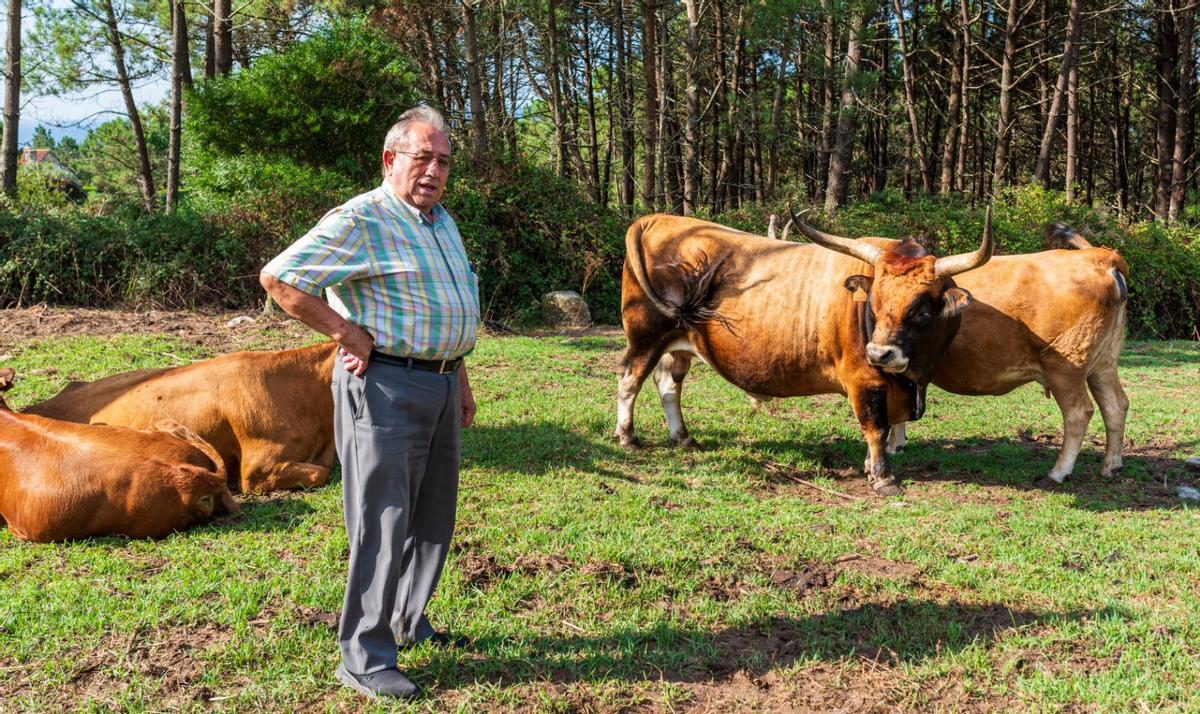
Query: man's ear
{"x": 955, "y": 301}
{"x": 858, "y": 282}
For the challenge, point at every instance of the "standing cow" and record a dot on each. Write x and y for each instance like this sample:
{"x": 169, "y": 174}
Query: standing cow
{"x": 1056, "y": 318}
{"x": 60, "y": 481}
{"x": 269, "y": 414}
{"x": 784, "y": 319}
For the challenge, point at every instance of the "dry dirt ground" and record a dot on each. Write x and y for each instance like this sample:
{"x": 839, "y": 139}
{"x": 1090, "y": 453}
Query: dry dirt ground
{"x": 210, "y": 329}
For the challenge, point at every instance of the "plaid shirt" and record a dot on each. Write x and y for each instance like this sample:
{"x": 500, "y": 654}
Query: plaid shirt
{"x": 403, "y": 278}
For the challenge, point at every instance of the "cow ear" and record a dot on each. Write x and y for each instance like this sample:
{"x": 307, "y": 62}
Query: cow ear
{"x": 854, "y": 283}
{"x": 955, "y": 300}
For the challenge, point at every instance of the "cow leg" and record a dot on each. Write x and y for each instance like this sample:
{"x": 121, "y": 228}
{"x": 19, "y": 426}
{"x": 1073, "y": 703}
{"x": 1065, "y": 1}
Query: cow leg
{"x": 870, "y": 406}
{"x": 282, "y": 476}
{"x": 1077, "y": 410}
{"x": 628, "y": 386}
{"x": 672, "y": 367}
{"x": 1114, "y": 405}
{"x": 897, "y": 438}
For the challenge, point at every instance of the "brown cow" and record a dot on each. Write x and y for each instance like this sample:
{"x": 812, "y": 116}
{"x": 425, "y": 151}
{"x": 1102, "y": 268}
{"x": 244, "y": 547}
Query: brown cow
{"x": 1056, "y": 318}
{"x": 60, "y": 481}
{"x": 269, "y": 414}
{"x": 785, "y": 319}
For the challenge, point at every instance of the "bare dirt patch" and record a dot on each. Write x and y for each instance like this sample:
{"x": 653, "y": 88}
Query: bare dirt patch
{"x": 211, "y": 330}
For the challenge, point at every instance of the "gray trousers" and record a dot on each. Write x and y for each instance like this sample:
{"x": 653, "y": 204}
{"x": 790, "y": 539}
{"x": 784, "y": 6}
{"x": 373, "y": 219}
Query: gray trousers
{"x": 397, "y": 437}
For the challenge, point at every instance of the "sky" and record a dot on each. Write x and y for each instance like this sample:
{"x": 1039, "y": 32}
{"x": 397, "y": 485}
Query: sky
{"x": 74, "y": 115}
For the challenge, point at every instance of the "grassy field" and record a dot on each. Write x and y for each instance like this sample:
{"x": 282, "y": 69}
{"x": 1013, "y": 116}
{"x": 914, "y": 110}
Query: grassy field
{"x": 758, "y": 573}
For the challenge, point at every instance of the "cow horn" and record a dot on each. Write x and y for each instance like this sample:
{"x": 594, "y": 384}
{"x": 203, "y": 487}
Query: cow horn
{"x": 961, "y": 263}
{"x": 771, "y": 226}
{"x": 787, "y": 228}
{"x": 865, "y": 252}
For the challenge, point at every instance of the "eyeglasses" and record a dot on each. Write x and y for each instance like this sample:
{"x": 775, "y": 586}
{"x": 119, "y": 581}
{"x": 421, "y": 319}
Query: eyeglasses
{"x": 423, "y": 159}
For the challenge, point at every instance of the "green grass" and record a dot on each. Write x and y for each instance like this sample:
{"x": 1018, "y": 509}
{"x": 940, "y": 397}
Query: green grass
{"x": 595, "y": 578}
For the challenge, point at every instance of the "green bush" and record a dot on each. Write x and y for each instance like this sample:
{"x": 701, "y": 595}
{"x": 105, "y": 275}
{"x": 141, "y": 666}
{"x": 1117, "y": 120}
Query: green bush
{"x": 529, "y": 232}
{"x": 326, "y": 101}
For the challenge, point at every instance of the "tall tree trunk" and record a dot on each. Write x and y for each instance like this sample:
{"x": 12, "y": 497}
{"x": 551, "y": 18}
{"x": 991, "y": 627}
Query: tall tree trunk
{"x": 434, "y": 62}
{"x": 839, "y": 161}
{"x": 720, "y": 162}
{"x": 1167, "y": 79}
{"x": 777, "y": 119}
{"x": 1041, "y": 171}
{"x": 1072, "y": 167}
{"x": 145, "y": 177}
{"x": 589, "y": 84}
{"x": 914, "y": 143}
{"x": 952, "y": 113}
{"x": 556, "y": 103}
{"x": 180, "y": 78}
{"x": 222, "y": 28}
{"x": 691, "y": 127}
{"x": 1004, "y": 119}
{"x": 625, "y": 92}
{"x": 650, "y": 107}
{"x": 960, "y": 173}
{"x": 672, "y": 156}
{"x": 479, "y": 132}
{"x": 1183, "y": 112}
{"x": 12, "y": 102}
{"x": 828, "y": 111}
{"x": 210, "y": 57}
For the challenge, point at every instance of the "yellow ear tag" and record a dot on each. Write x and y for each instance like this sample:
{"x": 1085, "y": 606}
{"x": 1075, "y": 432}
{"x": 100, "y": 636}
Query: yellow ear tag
{"x": 860, "y": 295}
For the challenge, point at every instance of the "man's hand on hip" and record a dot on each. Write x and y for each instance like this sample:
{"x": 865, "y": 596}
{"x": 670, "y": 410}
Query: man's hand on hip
{"x": 468, "y": 399}
{"x": 355, "y": 347}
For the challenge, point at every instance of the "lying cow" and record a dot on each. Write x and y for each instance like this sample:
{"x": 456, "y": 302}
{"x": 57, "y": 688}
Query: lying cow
{"x": 269, "y": 414}
{"x": 784, "y": 319}
{"x": 1056, "y": 318}
{"x": 60, "y": 481}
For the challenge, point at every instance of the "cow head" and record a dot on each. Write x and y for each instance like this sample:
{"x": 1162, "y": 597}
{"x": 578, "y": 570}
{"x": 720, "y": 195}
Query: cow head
{"x": 913, "y": 306}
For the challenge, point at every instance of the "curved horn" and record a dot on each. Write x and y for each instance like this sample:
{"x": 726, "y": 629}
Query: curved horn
{"x": 865, "y": 252}
{"x": 771, "y": 226}
{"x": 961, "y": 263}
{"x": 787, "y": 228}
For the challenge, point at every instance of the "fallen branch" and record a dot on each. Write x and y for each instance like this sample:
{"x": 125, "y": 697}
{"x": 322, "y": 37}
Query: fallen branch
{"x": 822, "y": 489}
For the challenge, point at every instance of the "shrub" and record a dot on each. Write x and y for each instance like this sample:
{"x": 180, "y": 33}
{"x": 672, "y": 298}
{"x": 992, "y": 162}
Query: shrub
{"x": 326, "y": 101}
{"x": 530, "y": 232}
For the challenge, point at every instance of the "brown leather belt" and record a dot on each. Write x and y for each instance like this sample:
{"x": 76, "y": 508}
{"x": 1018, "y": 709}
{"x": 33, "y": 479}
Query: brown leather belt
{"x": 440, "y": 366}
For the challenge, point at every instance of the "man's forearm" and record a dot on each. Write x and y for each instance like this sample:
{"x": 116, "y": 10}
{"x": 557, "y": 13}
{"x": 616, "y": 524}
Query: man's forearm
{"x": 316, "y": 313}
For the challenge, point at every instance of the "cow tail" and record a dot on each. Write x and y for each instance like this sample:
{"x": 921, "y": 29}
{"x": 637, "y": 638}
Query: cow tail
{"x": 181, "y": 432}
{"x": 693, "y": 303}
{"x": 637, "y": 264}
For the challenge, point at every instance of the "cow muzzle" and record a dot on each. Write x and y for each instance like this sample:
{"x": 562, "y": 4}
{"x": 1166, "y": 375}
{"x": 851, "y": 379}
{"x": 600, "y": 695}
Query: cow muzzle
{"x": 886, "y": 357}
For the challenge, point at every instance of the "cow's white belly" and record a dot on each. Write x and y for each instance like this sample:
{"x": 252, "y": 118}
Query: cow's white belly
{"x": 682, "y": 345}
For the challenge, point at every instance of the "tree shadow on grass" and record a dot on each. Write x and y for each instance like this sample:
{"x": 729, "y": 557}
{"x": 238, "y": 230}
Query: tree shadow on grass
{"x": 905, "y": 633}
{"x": 263, "y": 514}
{"x": 1149, "y": 480}
{"x": 1159, "y": 354}
{"x": 537, "y": 448}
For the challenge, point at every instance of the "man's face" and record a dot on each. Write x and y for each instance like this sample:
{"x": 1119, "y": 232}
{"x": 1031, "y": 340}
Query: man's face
{"x": 418, "y": 167}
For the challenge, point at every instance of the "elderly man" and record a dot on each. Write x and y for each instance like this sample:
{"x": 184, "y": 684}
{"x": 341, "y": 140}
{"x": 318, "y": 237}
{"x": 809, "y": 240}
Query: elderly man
{"x": 403, "y": 307}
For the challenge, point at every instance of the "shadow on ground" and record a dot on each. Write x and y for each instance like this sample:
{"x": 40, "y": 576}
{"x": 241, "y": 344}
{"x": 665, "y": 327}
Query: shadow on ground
{"x": 905, "y": 633}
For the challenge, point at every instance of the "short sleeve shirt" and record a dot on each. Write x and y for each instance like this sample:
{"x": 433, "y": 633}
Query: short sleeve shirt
{"x": 382, "y": 265}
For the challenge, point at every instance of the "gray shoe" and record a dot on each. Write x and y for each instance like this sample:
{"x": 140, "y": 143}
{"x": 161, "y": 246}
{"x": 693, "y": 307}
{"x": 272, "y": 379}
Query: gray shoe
{"x": 384, "y": 683}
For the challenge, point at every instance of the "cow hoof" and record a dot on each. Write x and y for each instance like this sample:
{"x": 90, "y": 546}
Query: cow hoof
{"x": 887, "y": 487}
{"x": 629, "y": 442}
{"x": 893, "y": 450}
{"x": 1046, "y": 483}
{"x": 1107, "y": 472}
{"x": 688, "y": 443}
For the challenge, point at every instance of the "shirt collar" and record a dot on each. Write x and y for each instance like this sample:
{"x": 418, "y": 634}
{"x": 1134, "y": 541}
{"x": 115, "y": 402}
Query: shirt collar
{"x": 437, "y": 210}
